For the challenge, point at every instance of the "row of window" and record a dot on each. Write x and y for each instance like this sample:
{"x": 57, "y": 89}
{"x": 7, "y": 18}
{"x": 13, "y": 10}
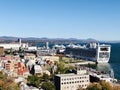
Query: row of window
{"x": 72, "y": 82}
{"x": 73, "y": 78}
{"x": 67, "y": 87}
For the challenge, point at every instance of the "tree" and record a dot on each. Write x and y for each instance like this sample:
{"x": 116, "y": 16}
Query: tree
{"x": 34, "y": 80}
{"x": 102, "y": 85}
{"x": 61, "y": 67}
{"x": 1, "y": 84}
{"x": 45, "y": 77}
{"x": 10, "y": 86}
{"x": 80, "y": 88}
{"x": 94, "y": 86}
{"x": 71, "y": 67}
{"x": 3, "y": 76}
{"x": 60, "y": 58}
{"x": 47, "y": 66}
{"x": 48, "y": 86}
{"x": 115, "y": 87}
{"x": 6, "y": 83}
{"x": 105, "y": 85}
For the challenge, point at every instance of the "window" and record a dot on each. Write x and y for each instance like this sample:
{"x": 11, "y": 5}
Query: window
{"x": 104, "y": 49}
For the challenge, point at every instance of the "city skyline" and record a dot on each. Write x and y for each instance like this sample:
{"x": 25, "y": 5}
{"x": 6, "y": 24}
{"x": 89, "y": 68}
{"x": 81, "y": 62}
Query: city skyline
{"x": 81, "y": 19}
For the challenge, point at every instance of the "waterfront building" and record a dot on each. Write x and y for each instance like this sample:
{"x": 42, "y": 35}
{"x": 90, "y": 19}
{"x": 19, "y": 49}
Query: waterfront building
{"x": 72, "y": 81}
{"x": 14, "y": 45}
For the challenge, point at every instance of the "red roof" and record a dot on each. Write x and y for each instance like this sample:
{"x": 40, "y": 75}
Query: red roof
{"x": 25, "y": 70}
{"x": 20, "y": 71}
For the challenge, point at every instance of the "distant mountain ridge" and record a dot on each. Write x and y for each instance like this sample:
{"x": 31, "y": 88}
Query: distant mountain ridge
{"x": 43, "y": 38}
{"x": 12, "y": 38}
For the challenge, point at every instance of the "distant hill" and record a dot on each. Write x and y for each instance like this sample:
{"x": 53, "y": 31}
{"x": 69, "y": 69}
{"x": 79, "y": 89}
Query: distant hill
{"x": 35, "y": 38}
{"x": 3, "y": 38}
{"x": 6, "y": 38}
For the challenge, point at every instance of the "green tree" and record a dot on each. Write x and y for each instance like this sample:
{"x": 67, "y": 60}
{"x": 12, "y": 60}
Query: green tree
{"x": 34, "y": 80}
{"x": 61, "y": 68}
{"x": 60, "y": 58}
{"x": 71, "y": 67}
{"x": 48, "y": 86}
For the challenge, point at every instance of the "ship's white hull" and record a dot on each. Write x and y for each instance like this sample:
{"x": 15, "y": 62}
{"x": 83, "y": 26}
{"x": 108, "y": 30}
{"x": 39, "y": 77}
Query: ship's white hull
{"x": 97, "y": 53}
{"x": 103, "y": 60}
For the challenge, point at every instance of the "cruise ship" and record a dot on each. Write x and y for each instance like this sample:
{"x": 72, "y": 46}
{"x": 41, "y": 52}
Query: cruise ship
{"x": 99, "y": 53}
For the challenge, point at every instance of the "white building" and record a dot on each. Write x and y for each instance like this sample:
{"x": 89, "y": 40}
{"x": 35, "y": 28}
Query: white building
{"x": 72, "y": 81}
{"x": 32, "y": 48}
{"x": 38, "y": 69}
{"x": 14, "y": 46}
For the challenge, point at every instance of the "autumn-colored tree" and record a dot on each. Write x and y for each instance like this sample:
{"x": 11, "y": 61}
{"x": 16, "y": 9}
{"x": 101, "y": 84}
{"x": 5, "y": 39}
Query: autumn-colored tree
{"x": 80, "y": 88}
{"x": 105, "y": 85}
{"x": 94, "y": 86}
{"x": 102, "y": 85}
{"x": 1, "y": 84}
{"x": 116, "y": 87}
{"x": 10, "y": 86}
{"x": 7, "y": 83}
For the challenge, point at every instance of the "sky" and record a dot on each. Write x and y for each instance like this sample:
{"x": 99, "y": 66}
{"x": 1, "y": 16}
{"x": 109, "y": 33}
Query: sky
{"x": 81, "y": 19}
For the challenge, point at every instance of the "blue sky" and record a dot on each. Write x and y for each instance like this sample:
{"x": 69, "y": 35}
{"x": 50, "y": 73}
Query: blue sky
{"x": 82, "y": 19}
